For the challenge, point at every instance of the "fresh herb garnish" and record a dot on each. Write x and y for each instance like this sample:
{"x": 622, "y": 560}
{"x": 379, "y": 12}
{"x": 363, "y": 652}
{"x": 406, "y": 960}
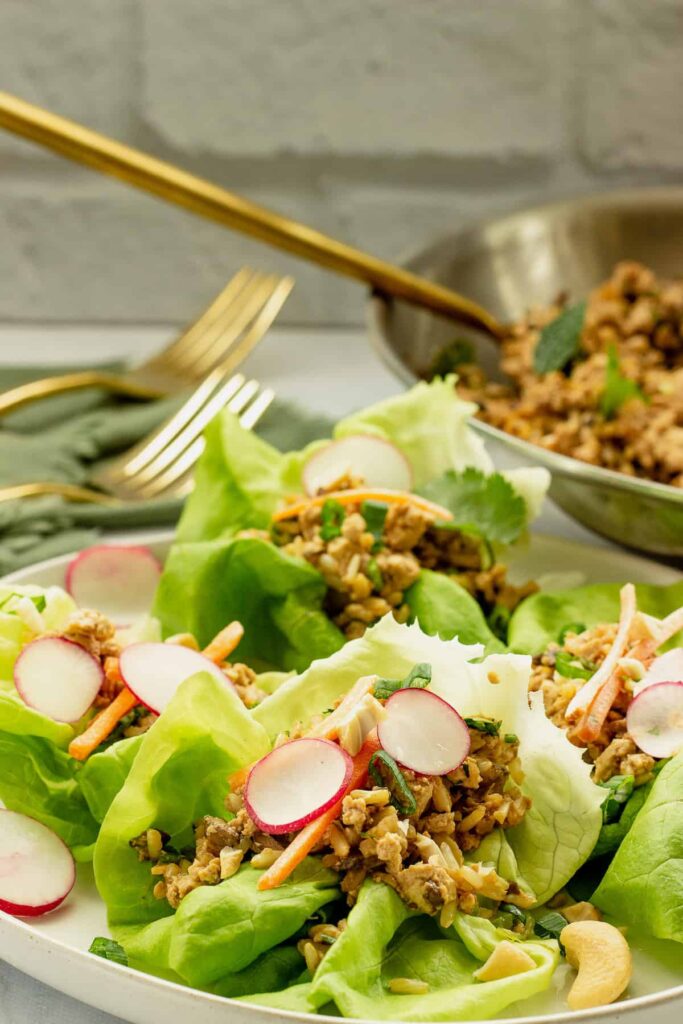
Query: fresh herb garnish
{"x": 511, "y": 737}
{"x": 560, "y": 340}
{"x": 570, "y": 666}
{"x": 109, "y": 950}
{"x": 571, "y": 627}
{"x": 620, "y": 790}
{"x": 499, "y": 620}
{"x": 518, "y": 916}
{"x": 375, "y": 513}
{"x": 487, "y": 506}
{"x": 618, "y": 388}
{"x": 419, "y": 676}
{"x": 454, "y": 354}
{"x": 372, "y": 571}
{"x": 385, "y": 772}
{"x": 550, "y": 926}
{"x": 332, "y": 516}
{"x": 489, "y": 726}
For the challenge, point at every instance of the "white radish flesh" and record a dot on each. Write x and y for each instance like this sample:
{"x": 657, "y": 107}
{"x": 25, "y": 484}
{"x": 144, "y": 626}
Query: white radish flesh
{"x": 378, "y": 463}
{"x": 118, "y": 581}
{"x": 296, "y": 783}
{"x": 154, "y": 671}
{"x": 655, "y": 719}
{"x": 424, "y": 733}
{"x": 57, "y": 677}
{"x": 667, "y": 668}
{"x": 37, "y": 871}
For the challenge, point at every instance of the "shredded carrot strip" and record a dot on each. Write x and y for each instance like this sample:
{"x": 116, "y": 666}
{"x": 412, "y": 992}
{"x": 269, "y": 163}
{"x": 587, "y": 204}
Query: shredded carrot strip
{"x": 224, "y": 643}
{"x": 362, "y": 494}
{"x": 591, "y": 722}
{"x": 102, "y": 725}
{"x": 328, "y": 729}
{"x": 311, "y": 834}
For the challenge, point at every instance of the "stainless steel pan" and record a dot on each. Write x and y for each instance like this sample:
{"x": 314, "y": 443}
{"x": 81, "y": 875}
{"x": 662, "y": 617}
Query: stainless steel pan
{"x": 527, "y": 258}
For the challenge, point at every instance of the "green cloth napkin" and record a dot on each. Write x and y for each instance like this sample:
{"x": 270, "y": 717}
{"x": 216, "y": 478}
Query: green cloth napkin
{"x": 66, "y": 437}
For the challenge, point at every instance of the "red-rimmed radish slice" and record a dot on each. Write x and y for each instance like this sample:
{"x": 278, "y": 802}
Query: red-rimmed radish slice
{"x": 57, "y": 677}
{"x": 377, "y": 462}
{"x": 37, "y": 871}
{"x": 423, "y": 732}
{"x": 667, "y": 668}
{"x": 154, "y": 671}
{"x": 655, "y": 719}
{"x": 118, "y": 581}
{"x": 296, "y": 783}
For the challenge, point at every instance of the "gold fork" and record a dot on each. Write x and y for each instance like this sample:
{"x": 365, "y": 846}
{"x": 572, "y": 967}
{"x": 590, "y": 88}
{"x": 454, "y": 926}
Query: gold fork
{"x": 160, "y": 466}
{"x": 220, "y": 336}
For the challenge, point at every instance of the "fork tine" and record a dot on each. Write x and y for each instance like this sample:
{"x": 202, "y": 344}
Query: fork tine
{"x": 132, "y": 462}
{"x": 183, "y": 484}
{"x": 216, "y": 343}
{"x": 233, "y": 389}
{"x": 224, "y": 298}
{"x": 186, "y": 458}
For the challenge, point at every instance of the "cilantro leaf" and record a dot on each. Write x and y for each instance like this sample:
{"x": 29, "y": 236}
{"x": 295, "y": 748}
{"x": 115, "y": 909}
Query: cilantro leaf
{"x": 560, "y": 340}
{"x": 109, "y": 950}
{"x": 484, "y": 505}
{"x": 332, "y": 516}
{"x": 452, "y": 355}
{"x": 618, "y": 389}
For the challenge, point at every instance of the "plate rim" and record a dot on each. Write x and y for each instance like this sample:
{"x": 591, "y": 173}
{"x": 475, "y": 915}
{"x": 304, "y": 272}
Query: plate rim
{"x": 17, "y": 934}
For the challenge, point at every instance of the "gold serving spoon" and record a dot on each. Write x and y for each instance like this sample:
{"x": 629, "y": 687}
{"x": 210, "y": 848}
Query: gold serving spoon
{"x": 218, "y": 204}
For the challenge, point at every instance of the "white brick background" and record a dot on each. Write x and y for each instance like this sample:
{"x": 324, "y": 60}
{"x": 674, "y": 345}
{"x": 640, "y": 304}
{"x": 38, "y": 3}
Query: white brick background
{"x": 380, "y": 121}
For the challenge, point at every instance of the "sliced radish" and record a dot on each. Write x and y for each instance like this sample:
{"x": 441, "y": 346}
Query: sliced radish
{"x": 37, "y": 871}
{"x": 423, "y": 732}
{"x": 377, "y": 462}
{"x": 667, "y": 668}
{"x": 296, "y": 783}
{"x": 154, "y": 671}
{"x": 118, "y": 581}
{"x": 57, "y": 677}
{"x": 655, "y": 719}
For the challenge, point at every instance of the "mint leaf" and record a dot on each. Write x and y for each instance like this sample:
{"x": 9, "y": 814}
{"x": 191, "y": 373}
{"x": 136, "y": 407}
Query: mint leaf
{"x": 560, "y": 340}
{"x": 618, "y": 389}
{"x": 109, "y": 950}
{"x": 488, "y": 506}
{"x": 418, "y": 678}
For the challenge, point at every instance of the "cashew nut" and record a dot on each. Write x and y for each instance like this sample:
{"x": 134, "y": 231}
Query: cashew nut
{"x": 507, "y": 959}
{"x": 602, "y": 958}
{"x": 581, "y": 912}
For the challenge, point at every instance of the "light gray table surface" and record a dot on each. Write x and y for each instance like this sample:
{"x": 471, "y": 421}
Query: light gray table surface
{"x": 330, "y": 371}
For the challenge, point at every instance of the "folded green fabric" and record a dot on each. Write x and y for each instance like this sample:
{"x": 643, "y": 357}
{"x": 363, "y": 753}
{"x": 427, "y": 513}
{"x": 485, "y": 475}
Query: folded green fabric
{"x": 66, "y": 437}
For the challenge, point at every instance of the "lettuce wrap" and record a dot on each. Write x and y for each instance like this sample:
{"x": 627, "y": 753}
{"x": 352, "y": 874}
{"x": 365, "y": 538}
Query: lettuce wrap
{"x": 213, "y": 574}
{"x": 235, "y": 940}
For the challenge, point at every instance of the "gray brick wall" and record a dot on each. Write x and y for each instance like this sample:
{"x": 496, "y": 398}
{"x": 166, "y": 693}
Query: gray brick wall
{"x": 380, "y": 121}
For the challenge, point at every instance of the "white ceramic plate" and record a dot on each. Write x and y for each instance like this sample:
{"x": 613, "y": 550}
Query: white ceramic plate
{"x": 53, "y": 949}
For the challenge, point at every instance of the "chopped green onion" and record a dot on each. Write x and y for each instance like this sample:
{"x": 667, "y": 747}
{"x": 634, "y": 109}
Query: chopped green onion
{"x": 419, "y": 677}
{"x": 550, "y": 926}
{"x": 332, "y": 516}
{"x": 489, "y": 726}
{"x": 385, "y": 772}
{"x": 511, "y": 737}
{"x": 571, "y": 627}
{"x": 373, "y": 573}
{"x": 109, "y": 950}
{"x": 375, "y": 513}
{"x": 620, "y": 789}
{"x": 570, "y": 666}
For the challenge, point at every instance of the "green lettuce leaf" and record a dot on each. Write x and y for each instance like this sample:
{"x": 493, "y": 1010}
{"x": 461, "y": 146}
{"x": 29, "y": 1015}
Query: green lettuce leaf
{"x": 643, "y": 885}
{"x": 38, "y": 779}
{"x": 562, "y": 826}
{"x": 445, "y": 609}
{"x": 272, "y": 972}
{"x": 384, "y": 940}
{"x": 17, "y": 628}
{"x": 277, "y": 598}
{"x": 103, "y": 775}
{"x": 539, "y": 620}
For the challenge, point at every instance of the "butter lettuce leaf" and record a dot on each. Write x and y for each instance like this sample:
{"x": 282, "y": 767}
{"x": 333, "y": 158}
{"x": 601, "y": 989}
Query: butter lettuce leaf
{"x": 643, "y": 885}
{"x": 540, "y": 618}
{"x": 385, "y": 940}
{"x": 445, "y": 609}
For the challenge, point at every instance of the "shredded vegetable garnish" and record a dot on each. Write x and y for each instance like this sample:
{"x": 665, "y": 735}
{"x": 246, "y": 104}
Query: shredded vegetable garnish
{"x": 489, "y": 726}
{"x": 385, "y": 772}
{"x": 419, "y": 677}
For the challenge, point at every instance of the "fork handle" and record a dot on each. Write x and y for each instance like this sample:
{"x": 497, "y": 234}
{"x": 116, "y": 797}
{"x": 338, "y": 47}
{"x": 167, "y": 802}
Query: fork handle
{"x": 15, "y": 398}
